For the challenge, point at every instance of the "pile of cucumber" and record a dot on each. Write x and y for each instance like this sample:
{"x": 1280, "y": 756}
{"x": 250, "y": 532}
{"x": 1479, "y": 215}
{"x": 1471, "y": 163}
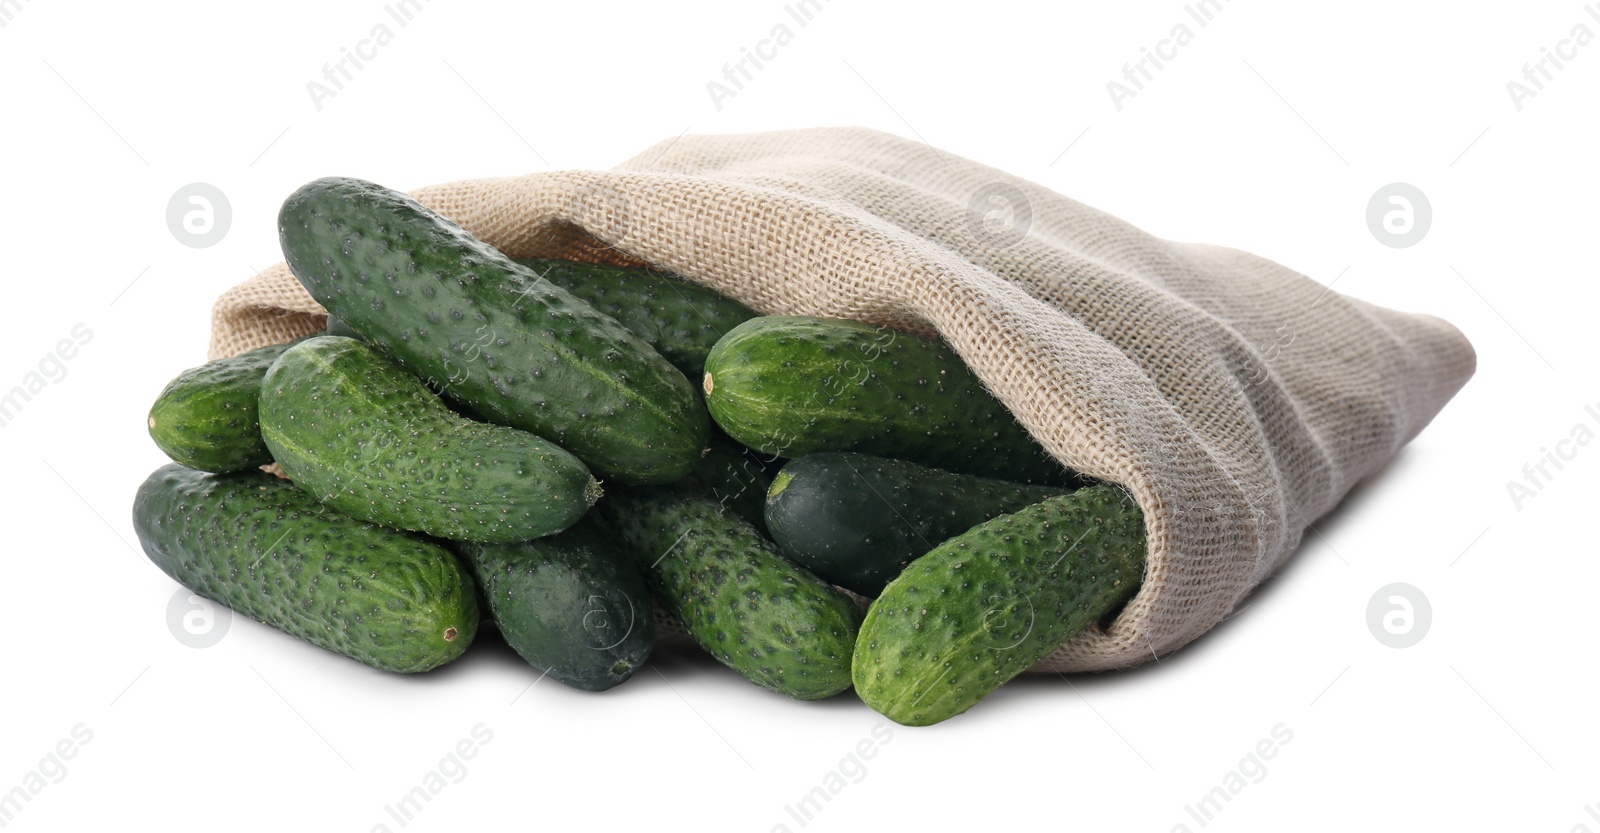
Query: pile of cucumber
{"x": 483, "y": 440}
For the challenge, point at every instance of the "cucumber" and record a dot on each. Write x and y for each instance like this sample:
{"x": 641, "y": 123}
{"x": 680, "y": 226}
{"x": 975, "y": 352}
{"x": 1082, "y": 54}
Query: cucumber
{"x": 857, "y": 520}
{"x": 793, "y": 385}
{"x": 207, "y": 419}
{"x": 681, "y": 320}
{"x": 258, "y": 545}
{"x": 521, "y": 351}
{"x": 573, "y": 605}
{"x": 736, "y": 478}
{"x": 983, "y": 606}
{"x": 738, "y": 597}
{"x": 356, "y": 430}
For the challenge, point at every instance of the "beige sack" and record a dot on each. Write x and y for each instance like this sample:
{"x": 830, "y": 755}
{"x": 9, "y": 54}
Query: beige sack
{"x": 1236, "y": 399}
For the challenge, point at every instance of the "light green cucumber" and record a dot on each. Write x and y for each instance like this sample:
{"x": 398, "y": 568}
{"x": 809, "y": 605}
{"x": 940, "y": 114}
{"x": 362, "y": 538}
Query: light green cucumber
{"x": 792, "y": 386}
{"x": 735, "y": 593}
{"x": 984, "y": 606}
{"x": 355, "y": 429}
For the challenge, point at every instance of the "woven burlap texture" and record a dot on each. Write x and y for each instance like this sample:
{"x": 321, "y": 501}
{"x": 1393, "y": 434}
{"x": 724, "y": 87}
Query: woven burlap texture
{"x": 1236, "y": 399}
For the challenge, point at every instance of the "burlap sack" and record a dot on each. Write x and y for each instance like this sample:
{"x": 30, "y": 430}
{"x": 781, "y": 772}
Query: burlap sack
{"x": 1236, "y": 399}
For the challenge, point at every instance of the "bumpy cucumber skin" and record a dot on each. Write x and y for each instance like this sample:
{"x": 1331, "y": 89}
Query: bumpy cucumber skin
{"x": 985, "y": 605}
{"x": 754, "y": 610}
{"x": 793, "y": 385}
{"x": 682, "y": 320}
{"x": 258, "y": 545}
{"x": 735, "y": 477}
{"x": 857, "y": 520}
{"x": 355, "y": 429}
{"x": 521, "y": 351}
{"x": 337, "y": 327}
{"x": 206, "y": 418}
{"x": 573, "y": 605}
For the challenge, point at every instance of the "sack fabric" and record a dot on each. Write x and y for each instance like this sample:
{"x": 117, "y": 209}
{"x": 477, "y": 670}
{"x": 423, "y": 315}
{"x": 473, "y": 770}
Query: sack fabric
{"x": 1236, "y": 399}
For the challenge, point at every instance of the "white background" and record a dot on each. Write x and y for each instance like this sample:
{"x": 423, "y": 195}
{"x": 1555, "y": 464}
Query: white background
{"x": 1269, "y": 131}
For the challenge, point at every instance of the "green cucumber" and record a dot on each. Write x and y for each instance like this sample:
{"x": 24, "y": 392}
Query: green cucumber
{"x": 792, "y": 385}
{"x": 984, "y": 606}
{"x": 738, "y": 597}
{"x": 857, "y": 520}
{"x": 682, "y": 320}
{"x": 355, "y": 429}
{"x": 206, "y": 418}
{"x": 521, "y": 351}
{"x": 573, "y": 604}
{"x": 258, "y": 545}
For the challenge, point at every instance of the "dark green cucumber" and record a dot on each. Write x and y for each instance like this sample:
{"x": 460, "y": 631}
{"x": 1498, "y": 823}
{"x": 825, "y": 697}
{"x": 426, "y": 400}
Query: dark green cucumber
{"x": 857, "y": 520}
{"x": 738, "y": 597}
{"x": 984, "y": 606}
{"x": 488, "y": 332}
{"x": 258, "y": 545}
{"x": 352, "y": 427}
{"x": 735, "y": 477}
{"x": 573, "y": 605}
{"x": 206, "y": 418}
{"x": 682, "y": 320}
{"x": 792, "y": 385}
